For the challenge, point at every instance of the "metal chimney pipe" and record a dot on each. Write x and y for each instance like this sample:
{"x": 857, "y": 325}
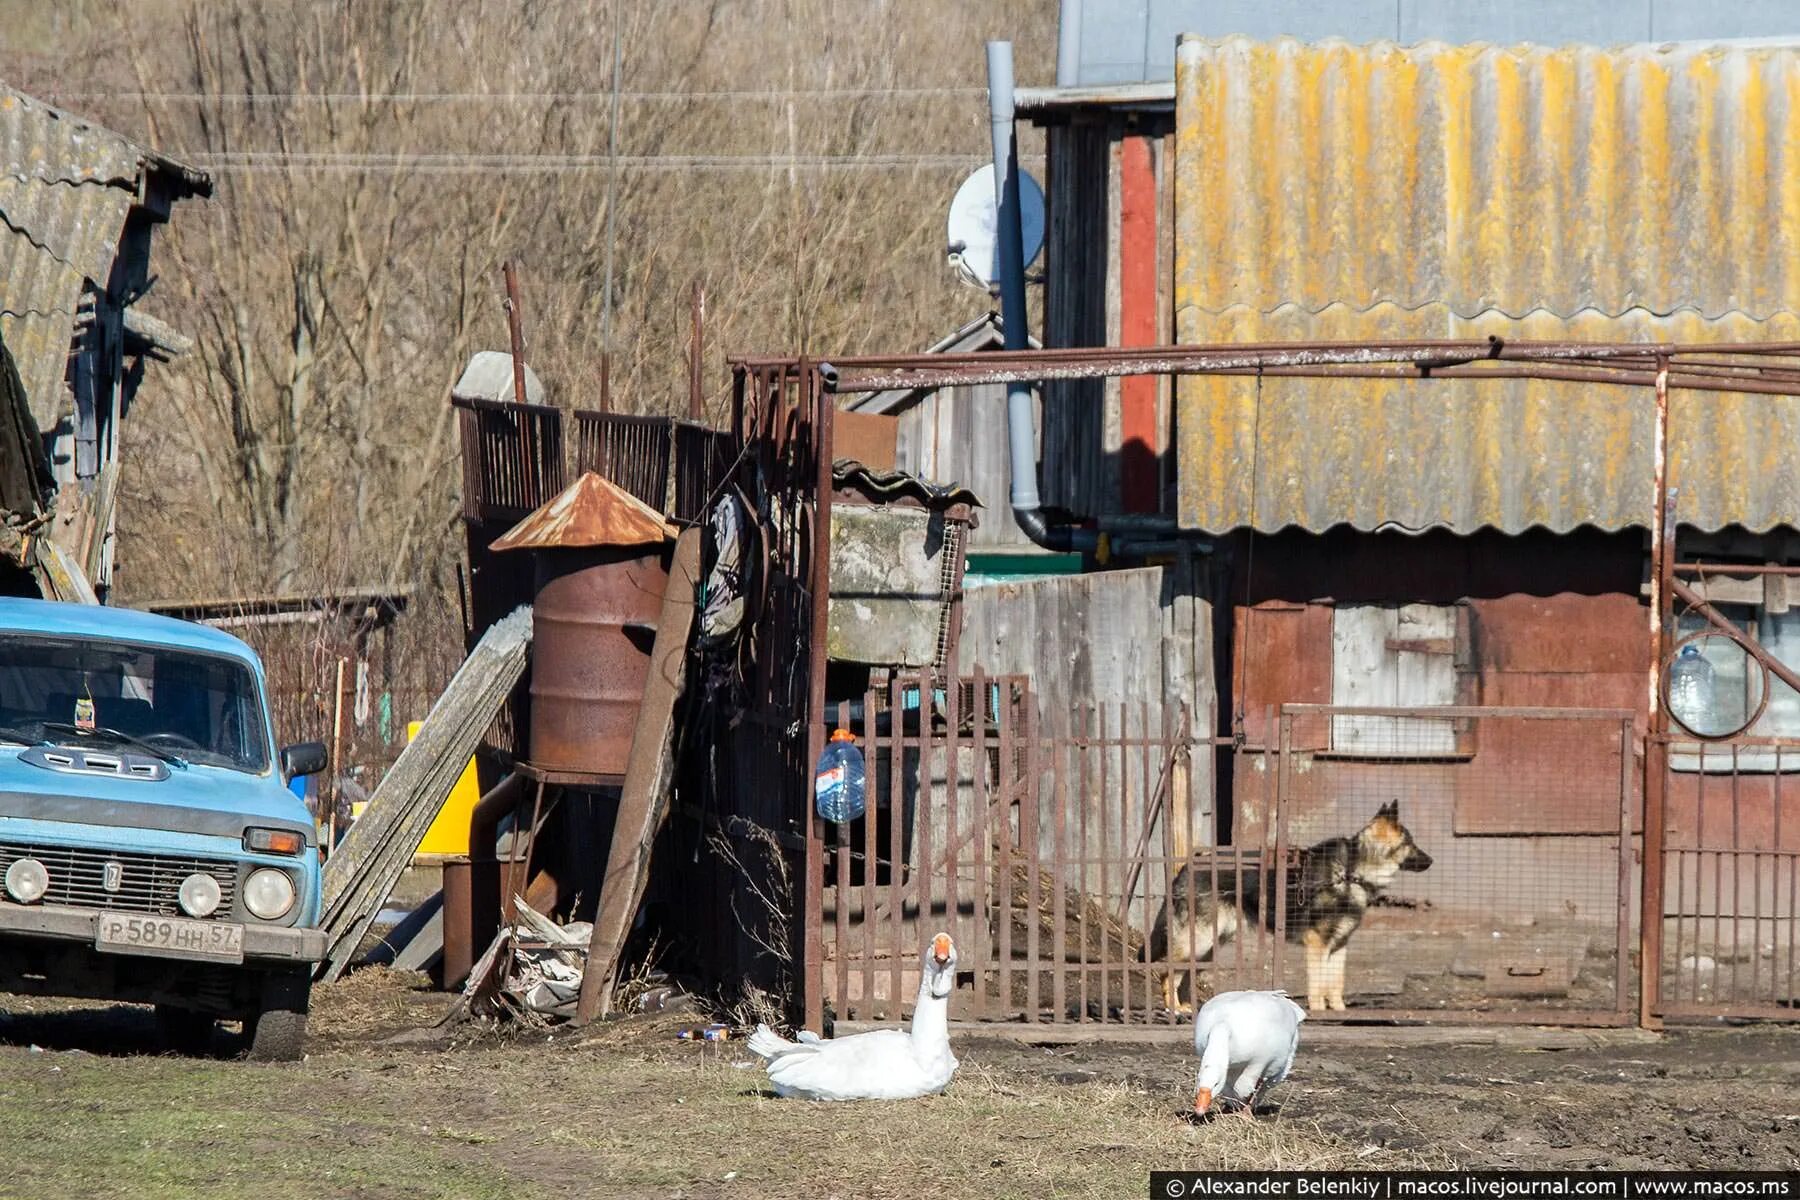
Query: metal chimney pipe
{"x": 1068, "y": 44}
{"x": 1021, "y": 420}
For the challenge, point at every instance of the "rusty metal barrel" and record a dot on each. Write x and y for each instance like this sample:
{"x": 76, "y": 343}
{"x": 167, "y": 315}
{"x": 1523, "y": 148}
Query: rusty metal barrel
{"x": 600, "y": 562}
{"x": 593, "y": 621}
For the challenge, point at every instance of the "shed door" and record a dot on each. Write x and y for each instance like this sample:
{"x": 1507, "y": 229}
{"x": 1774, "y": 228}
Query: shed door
{"x": 1388, "y": 656}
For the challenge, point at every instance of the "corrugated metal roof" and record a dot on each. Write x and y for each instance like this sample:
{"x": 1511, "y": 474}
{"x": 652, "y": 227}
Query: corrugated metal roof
{"x": 66, "y": 186}
{"x": 885, "y": 486}
{"x": 1332, "y": 191}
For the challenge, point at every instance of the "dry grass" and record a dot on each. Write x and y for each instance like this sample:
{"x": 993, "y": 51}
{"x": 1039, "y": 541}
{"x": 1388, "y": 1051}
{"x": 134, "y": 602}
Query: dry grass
{"x": 629, "y": 1111}
{"x": 625, "y": 1108}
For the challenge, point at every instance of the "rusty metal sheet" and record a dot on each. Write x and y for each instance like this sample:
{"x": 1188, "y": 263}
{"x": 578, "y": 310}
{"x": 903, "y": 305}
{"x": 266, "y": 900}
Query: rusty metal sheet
{"x": 589, "y": 512}
{"x": 1362, "y": 192}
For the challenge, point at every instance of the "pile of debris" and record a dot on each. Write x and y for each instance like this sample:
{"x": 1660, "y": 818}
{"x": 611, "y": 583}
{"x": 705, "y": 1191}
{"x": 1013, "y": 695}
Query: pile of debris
{"x": 532, "y": 974}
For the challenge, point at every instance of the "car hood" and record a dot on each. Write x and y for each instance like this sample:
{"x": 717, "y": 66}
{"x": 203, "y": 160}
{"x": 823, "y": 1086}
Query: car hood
{"x": 199, "y": 788}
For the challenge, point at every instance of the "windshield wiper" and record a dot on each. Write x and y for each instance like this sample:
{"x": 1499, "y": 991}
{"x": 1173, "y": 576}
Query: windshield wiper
{"x": 118, "y": 736}
{"x": 16, "y": 733}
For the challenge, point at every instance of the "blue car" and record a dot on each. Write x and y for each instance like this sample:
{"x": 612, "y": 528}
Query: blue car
{"x": 150, "y": 849}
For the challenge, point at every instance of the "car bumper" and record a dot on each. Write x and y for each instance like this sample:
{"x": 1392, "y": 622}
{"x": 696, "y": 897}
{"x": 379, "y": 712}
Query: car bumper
{"x": 266, "y": 944}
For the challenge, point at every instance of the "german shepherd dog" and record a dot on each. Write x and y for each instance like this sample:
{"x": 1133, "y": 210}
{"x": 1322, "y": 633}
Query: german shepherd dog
{"x": 1328, "y": 891}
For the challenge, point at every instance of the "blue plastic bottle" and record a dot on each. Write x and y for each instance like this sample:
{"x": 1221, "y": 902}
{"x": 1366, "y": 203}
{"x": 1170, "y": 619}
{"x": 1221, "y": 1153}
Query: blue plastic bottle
{"x": 838, "y": 787}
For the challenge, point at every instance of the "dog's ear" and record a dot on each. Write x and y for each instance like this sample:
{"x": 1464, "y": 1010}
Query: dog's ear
{"x": 1390, "y": 810}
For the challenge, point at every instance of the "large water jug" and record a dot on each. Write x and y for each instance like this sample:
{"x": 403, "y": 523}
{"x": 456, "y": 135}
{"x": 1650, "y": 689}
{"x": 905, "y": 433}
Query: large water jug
{"x": 838, "y": 784}
{"x": 1691, "y": 693}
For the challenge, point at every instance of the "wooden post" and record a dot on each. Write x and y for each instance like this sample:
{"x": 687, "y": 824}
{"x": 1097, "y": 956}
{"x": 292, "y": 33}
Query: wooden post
{"x": 337, "y": 753}
{"x": 515, "y": 328}
{"x": 649, "y": 777}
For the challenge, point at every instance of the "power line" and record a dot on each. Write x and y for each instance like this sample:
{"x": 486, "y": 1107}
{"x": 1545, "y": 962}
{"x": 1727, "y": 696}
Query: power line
{"x": 573, "y": 163}
{"x": 507, "y": 97}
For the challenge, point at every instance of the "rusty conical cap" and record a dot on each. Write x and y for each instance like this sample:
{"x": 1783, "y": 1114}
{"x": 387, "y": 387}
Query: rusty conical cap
{"x": 589, "y": 512}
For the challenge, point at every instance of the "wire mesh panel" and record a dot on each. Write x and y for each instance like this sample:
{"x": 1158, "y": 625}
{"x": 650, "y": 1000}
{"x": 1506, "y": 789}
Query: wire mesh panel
{"x": 1455, "y": 860}
{"x": 1731, "y": 880}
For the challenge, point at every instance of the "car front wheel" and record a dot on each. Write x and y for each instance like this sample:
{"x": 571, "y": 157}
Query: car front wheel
{"x": 277, "y": 1029}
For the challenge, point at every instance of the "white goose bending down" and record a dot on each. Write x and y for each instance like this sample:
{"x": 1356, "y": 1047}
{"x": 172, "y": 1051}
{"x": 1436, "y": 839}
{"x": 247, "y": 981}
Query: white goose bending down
{"x": 886, "y": 1064}
{"x": 1246, "y": 1042}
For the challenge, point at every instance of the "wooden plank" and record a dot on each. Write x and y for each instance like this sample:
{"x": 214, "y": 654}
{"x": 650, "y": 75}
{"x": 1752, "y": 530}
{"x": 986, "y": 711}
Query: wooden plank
{"x": 1423, "y": 676}
{"x": 59, "y": 575}
{"x": 649, "y": 776}
{"x": 362, "y": 871}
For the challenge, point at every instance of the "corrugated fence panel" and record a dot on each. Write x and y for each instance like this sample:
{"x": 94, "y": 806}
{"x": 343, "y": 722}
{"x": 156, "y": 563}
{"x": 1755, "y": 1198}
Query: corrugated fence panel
{"x": 1332, "y": 191}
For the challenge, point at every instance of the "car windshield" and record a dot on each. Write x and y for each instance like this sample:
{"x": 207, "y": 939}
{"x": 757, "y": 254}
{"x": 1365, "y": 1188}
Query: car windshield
{"x": 201, "y": 708}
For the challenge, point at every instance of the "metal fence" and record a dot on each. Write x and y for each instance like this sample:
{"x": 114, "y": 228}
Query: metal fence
{"x": 1730, "y": 900}
{"x": 672, "y": 465}
{"x": 1488, "y": 851}
{"x": 1449, "y": 864}
{"x": 1033, "y": 845}
{"x": 512, "y": 458}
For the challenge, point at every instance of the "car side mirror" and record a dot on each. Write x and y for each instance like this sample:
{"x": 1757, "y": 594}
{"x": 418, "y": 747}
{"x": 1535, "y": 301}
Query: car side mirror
{"x": 302, "y": 758}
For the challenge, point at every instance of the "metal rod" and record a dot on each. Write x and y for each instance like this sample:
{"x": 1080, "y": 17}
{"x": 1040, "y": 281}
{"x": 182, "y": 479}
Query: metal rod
{"x": 1701, "y": 570}
{"x": 819, "y": 580}
{"x": 696, "y": 346}
{"x": 1650, "y": 924}
{"x": 1622, "y": 947}
{"x": 1695, "y": 601}
{"x": 1328, "y": 366}
{"x": 515, "y": 328}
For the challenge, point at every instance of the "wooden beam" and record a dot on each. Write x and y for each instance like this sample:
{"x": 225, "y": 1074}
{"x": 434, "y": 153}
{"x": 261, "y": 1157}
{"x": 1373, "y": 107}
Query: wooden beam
{"x": 363, "y": 869}
{"x": 649, "y": 778}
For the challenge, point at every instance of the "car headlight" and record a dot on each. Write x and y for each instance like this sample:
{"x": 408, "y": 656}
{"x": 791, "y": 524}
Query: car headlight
{"x": 199, "y": 895}
{"x": 27, "y": 880}
{"x": 269, "y": 893}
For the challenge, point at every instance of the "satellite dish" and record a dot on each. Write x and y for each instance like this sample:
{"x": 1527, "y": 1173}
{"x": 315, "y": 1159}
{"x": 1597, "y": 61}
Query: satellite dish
{"x": 974, "y": 227}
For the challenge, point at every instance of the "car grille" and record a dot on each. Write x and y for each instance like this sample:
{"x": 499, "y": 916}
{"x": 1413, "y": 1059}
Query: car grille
{"x": 149, "y": 883}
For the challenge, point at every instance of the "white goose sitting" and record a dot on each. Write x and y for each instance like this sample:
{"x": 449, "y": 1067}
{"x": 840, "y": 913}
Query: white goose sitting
{"x": 1246, "y": 1042}
{"x": 886, "y": 1064}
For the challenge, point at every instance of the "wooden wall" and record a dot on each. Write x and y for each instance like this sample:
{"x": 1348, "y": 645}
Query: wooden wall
{"x": 958, "y": 436}
{"x": 1141, "y": 639}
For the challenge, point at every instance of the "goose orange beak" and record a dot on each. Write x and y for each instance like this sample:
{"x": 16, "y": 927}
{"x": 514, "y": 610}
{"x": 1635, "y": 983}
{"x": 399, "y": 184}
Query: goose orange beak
{"x": 1203, "y": 1102}
{"x": 940, "y": 948}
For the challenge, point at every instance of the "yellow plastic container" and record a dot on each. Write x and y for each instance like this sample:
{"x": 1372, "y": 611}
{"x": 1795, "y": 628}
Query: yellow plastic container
{"x": 449, "y": 834}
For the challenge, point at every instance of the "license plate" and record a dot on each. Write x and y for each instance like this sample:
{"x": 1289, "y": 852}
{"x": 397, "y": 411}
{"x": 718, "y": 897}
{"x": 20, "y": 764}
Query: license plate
{"x": 170, "y": 937}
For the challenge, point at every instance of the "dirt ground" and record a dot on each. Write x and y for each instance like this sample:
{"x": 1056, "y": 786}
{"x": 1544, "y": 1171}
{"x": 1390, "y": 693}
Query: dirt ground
{"x": 387, "y": 1105}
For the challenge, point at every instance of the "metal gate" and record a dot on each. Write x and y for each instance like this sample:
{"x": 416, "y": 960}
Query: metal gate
{"x": 1488, "y": 849}
{"x": 1033, "y": 842}
{"x": 1730, "y": 883}
{"x": 1061, "y": 852}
